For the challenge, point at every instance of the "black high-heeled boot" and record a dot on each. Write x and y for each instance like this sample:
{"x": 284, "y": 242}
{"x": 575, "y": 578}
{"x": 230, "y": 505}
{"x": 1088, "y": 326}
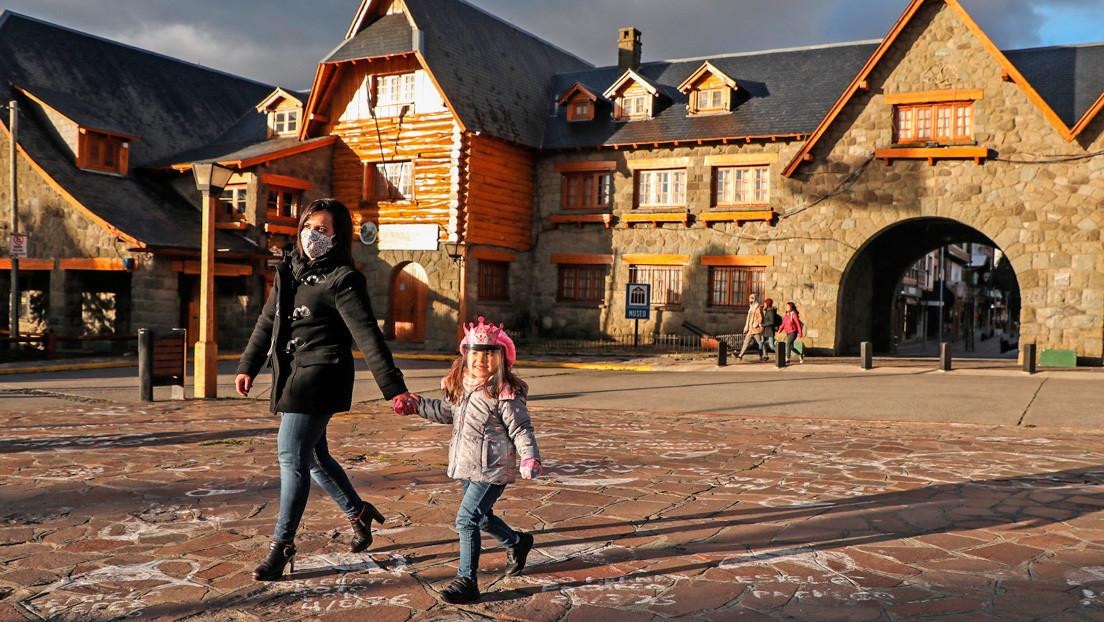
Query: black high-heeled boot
{"x": 272, "y": 568}
{"x": 362, "y": 527}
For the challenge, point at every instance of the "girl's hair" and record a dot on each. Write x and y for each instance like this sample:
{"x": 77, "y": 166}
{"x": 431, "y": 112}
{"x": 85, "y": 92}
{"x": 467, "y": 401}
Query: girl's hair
{"x": 343, "y": 228}
{"x": 504, "y": 381}
{"x": 793, "y": 307}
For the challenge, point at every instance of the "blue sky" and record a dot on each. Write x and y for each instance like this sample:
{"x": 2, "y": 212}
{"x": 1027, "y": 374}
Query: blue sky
{"x": 276, "y": 41}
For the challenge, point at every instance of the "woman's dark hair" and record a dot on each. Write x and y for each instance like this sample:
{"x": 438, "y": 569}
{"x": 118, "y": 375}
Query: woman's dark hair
{"x": 793, "y": 307}
{"x": 343, "y": 228}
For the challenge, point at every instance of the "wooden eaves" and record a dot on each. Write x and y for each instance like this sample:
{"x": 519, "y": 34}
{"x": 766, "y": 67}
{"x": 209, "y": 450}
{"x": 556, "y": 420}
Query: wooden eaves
{"x": 860, "y": 82}
{"x": 576, "y": 88}
{"x": 634, "y": 77}
{"x": 706, "y": 67}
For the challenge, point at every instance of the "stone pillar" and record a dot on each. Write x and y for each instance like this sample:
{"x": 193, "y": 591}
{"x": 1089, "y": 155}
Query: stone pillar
{"x": 155, "y": 295}
{"x": 64, "y": 310}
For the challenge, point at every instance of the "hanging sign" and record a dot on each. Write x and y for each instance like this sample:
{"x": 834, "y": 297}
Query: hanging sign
{"x": 408, "y": 237}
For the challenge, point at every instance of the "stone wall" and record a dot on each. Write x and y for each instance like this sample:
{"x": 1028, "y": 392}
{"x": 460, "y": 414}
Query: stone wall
{"x": 1046, "y": 217}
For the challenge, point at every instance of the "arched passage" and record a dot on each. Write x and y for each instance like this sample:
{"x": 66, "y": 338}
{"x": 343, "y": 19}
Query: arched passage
{"x": 872, "y": 280}
{"x": 406, "y": 318}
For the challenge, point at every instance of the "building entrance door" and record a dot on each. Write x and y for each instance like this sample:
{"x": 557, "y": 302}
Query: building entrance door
{"x": 409, "y": 290}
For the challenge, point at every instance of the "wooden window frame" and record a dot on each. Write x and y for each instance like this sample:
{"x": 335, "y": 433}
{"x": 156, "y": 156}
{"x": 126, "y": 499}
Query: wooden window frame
{"x": 589, "y": 195}
{"x": 739, "y": 282}
{"x": 276, "y": 215}
{"x": 392, "y": 108}
{"x": 370, "y": 190}
{"x": 666, "y": 282}
{"x": 755, "y": 196}
{"x": 494, "y": 280}
{"x": 641, "y": 189}
{"x": 911, "y": 121}
{"x": 573, "y": 112}
{"x": 233, "y": 208}
{"x": 290, "y": 121}
{"x": 94, "y": 147}
{"x": 644, "y": 113}
{"x": 584, "y": 279}
{"x": 725, "y": 105}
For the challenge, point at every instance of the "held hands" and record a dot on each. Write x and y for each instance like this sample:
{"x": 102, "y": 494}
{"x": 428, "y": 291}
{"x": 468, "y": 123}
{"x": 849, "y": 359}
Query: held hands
{"x": 406, "y": 404}
{"x": 530, "y": 469}
{"x": 243, "y": 383}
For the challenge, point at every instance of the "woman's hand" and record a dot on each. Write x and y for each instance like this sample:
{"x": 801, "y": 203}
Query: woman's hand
{"x": 405, "y": 403}
{"x": 243, "y": 382}
{"x": 530, "y": 468}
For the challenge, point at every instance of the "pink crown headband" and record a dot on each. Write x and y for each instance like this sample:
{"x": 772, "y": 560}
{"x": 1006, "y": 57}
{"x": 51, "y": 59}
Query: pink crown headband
{"x": 484, "y": 336}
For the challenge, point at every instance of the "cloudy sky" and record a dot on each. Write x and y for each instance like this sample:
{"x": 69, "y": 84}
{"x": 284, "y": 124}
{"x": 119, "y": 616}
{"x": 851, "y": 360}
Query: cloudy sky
{"x": 279, "y": 41}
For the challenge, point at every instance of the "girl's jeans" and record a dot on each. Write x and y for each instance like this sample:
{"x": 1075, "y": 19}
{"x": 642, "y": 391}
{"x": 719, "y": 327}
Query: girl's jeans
{"x": 302, "y": 452}
{"x": 475, "y": 514}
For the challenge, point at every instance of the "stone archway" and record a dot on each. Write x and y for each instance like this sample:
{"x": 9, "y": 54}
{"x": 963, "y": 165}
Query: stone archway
{"x": 869, "y": 287}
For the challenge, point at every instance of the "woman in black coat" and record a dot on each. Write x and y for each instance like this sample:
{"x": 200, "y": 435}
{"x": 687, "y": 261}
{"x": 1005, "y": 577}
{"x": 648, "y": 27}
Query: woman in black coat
{"x": 318, "y": 307}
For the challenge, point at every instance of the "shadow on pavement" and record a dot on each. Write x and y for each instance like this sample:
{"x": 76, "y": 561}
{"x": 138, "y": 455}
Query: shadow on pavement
{"x": 111, "y": 441}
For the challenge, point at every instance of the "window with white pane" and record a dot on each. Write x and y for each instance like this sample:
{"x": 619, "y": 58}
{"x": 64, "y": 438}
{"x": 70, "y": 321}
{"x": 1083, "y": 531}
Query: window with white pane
{"x": 632, "y": 107}
{"x": 742, "y": 185}
{"x": 393, "y": 91}
{"x": 661, "y": 188}
{"x": 711, "y": 100}
{"x": 394, "y": 181}
{"x": 285, "y": 121}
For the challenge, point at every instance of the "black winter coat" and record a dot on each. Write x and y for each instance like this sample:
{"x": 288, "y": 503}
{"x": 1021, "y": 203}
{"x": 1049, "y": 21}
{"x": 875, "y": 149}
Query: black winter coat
{"x": 315, "y": 312}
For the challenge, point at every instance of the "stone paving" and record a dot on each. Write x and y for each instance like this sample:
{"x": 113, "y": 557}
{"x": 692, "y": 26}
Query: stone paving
{"x": 160, "y": 513}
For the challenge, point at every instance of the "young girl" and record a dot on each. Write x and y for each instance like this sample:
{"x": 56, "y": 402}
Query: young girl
{"x": 794, "y": 328}
{"x": 485, "y": 403}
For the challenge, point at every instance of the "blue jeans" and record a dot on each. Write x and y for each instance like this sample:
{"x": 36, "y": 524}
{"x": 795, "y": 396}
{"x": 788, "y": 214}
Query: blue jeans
{"x": 476, "y": 514}
{"x": 302, "y": 451}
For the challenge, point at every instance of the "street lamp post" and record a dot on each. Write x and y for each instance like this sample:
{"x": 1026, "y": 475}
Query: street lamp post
{"x": 210, "y": 179}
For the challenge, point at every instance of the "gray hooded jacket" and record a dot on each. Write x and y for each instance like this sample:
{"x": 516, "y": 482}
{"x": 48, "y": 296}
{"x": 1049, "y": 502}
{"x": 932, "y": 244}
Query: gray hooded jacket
{"x": 488, "y": 435}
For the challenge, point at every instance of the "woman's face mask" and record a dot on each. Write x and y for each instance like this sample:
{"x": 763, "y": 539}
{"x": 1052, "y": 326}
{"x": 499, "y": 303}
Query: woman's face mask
{"x": 315, "y": 244}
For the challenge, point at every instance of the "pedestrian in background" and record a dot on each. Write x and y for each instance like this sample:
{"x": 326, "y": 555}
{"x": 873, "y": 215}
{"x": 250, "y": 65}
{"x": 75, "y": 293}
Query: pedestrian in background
{"x": 318, "y": 306}
{"x": 794, "y": 328}
{"x": 485, "y": 404}
{"x": 753, "y": 329}
{"x": 771, "y": 323}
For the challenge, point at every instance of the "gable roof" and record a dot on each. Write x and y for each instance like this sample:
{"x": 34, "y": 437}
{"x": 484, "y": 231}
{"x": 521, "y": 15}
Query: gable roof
{"x": 279, "y": 93}
{"x": 629, "y": 76}
{"x": 1069, "y": 77}
{"x": 781, "y": 93}
{"x": 493, "y": 75}
{"x": 170, "y": 105}
{"x": 707, "y": 67}
{"x": 386, "y": 36}
{"x": 1009, "y": 69}
{"x": 576, "y": 88}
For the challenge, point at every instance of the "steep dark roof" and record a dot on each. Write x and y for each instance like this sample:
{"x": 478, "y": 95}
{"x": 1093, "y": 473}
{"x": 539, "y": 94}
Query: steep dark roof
{"x": 170, "y": 105}
{"x": 1070, "y": 77}
{"x": 780, "y": 92}
{"x": 390, "y": 34}
{"x": 235, "y": 152}
{"x": 141, "y": 205}
{"x": 496, "y": 75}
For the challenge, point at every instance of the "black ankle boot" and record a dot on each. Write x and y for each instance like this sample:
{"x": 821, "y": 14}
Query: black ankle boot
{"x": 516, "y": 555}
{"x": 362, "y": 527}
{"x": 272, "y": 568}
{"x": 462, "y": 590}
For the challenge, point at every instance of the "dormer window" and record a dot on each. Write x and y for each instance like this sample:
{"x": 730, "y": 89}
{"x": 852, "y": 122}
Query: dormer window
{"x": 394, "y": 92}
{"x": 580, "y": 103}
{"x": 285, "y": 121}
{"x": 98, "y": 151}
{"x": 709, "y": 90}
{"x": 633, "y": 97}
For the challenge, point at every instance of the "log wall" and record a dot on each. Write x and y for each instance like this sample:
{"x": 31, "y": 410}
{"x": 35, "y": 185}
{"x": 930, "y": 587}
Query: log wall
{"x": 498, "y": 193}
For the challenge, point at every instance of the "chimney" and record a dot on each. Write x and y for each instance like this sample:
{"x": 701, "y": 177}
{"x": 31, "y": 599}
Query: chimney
{"x": 628, "y": 48}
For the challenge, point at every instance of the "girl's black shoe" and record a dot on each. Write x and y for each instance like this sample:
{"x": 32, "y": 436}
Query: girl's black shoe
{"x": 280, "y": 554}
{"x": 362, "y": 527}
{"x": 516, "y": 555}
{"x": 461, "y": 591}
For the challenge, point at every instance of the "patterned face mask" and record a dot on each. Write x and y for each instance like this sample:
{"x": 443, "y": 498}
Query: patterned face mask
{"x": 315, "y": 244}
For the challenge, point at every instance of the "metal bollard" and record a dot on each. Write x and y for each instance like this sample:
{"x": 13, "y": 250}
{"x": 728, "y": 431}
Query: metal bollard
{"x": 145, "y": 364}
{"x": 866, "y": 355}
{"x": 945, "y": 356}
{"x": 722, "y": 353}
{"x": 1030, "y": 360}
{"x": 780, "y": 354}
